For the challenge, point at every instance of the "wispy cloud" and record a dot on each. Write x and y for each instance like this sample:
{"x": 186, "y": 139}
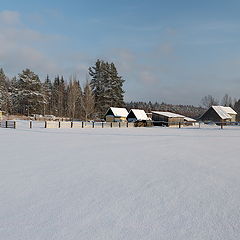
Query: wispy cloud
{"x": 22, "y": 47}
{"x": 9, "y": 17}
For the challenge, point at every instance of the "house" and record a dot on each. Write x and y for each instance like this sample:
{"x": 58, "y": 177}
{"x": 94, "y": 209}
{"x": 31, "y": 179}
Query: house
{"x": 219, "y": 114}
{"x": 115, "y": 114}
{"x": 167, "y": 118}
{"x": 137, "y": 115}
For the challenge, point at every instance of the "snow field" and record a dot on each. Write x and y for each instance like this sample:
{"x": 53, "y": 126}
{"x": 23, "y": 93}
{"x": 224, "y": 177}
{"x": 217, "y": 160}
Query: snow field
{"x": 136, "y": 183}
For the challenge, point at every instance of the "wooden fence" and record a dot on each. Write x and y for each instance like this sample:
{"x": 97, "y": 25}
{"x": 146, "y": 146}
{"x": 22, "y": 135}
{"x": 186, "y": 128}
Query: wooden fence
{"x": 54, "y": 124}
{"x": 8, "y": 124}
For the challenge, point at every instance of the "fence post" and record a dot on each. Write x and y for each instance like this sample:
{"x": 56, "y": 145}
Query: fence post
{"x": 127, "y": 124}
{"x": 30, "y": 124}
{"x": 111, "y": 124}
{"x": 199, "y": 124}
{"x": 71, "y": 124}
{"x": 93, "y": 124}
{"x": 119, "y": 124}
{"x": 6, "y": 124}
{"x": 179, "y": 125}
{"x": 82, "y": 124}
{"x": 102, "y": 124}
{"x": 14, "y": 124}
{"x": 221, "y": 124}
{"x": 59, "y": 124}
{"x": 45, "y": 126}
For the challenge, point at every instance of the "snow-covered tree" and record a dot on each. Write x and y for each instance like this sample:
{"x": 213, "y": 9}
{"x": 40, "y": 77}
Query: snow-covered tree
{"x": 28, "y": 95}
{"x": 5, "y": 101}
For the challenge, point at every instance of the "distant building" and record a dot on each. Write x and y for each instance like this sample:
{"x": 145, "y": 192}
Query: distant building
{"x": 137, "y": 115}
{"x": 190, "y": 121}
{"x": 115, "y": 114}
{"x": 168, "y": 119}
{"x": 219, "y": 114}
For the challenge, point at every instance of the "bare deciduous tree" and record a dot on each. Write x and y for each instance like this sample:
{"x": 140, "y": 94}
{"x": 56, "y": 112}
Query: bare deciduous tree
{"x": 73, "y": 96}
{"x": 87, "y": 101}
{"x": 227, "y": 101}
{"x": 209, "y": 101}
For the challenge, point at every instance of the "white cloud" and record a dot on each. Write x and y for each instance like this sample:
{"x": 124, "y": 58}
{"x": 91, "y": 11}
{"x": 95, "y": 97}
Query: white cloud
{"x": 22, "y": 47}
{"x": 9, "y": 17}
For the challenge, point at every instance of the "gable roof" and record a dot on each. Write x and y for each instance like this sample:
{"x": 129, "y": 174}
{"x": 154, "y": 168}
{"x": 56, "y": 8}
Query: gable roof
{"x": 169, "y": 114}
{"x": 223, "y": 112}
{"x": 139, "y": 114}
{"x": 118, "y": 112}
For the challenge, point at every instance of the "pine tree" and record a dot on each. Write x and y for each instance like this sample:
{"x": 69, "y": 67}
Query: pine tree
{"x": 28, "y": 94}
{"x": 106, "y": 85}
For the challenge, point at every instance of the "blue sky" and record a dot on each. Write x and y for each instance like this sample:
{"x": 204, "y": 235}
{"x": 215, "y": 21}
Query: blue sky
{"x": 172, "y": 51}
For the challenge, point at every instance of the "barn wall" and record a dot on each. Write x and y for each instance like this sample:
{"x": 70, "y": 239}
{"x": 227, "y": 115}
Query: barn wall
{"x": 233, "y": 117}
{"x": 175, "y": 121}
{"x": 211, "y": 115}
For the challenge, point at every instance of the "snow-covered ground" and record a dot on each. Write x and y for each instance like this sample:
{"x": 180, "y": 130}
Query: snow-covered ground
{"x": 137, "y": 183}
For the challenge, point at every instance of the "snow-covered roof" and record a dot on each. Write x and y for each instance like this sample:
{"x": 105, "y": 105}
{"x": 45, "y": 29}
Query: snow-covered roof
{"x": 224, "y": 112}
{"x": 188, "y": 119}
{"x": 139, "y": 114}
{"x": 229, "y": 110}
{"x": 169, "y": 114}
{"x": 119, "y": 112}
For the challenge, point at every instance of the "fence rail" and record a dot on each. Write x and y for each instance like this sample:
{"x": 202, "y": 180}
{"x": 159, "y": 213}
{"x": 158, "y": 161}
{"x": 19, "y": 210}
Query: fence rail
{"x": 53, "y": 124}
{"x": 83, "y": 124}
{"x": 8, "y": 124}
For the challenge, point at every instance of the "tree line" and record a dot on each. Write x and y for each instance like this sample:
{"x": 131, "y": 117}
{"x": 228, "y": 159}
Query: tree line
{"x": 26, "y": 94}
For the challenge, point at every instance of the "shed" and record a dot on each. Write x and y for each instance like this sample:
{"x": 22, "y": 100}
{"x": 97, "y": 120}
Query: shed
{"x": 137, "y": 115}
{"x": 115, "y": 114}
{"x": 219, "y": 114}
{"x": 168, "y": 119}
{"x": 190, "y": 121}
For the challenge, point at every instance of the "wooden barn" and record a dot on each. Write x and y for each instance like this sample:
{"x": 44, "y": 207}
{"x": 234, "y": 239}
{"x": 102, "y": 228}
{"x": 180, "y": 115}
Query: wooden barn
{"x": 115, "y": 114}
{"x": 168, "y": 119}
{"x": 219, "y": 114}
{"x": 137, "y": 115}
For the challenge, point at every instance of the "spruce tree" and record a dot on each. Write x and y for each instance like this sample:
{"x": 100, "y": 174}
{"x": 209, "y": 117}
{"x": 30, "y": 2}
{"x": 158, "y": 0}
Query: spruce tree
{"x": 107, "y": 86}
{"x": 47, "y": 91}
{"x": 5, "y": 101}
{"x": 28, "y": 93}
{"x": 55, "y": 98}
